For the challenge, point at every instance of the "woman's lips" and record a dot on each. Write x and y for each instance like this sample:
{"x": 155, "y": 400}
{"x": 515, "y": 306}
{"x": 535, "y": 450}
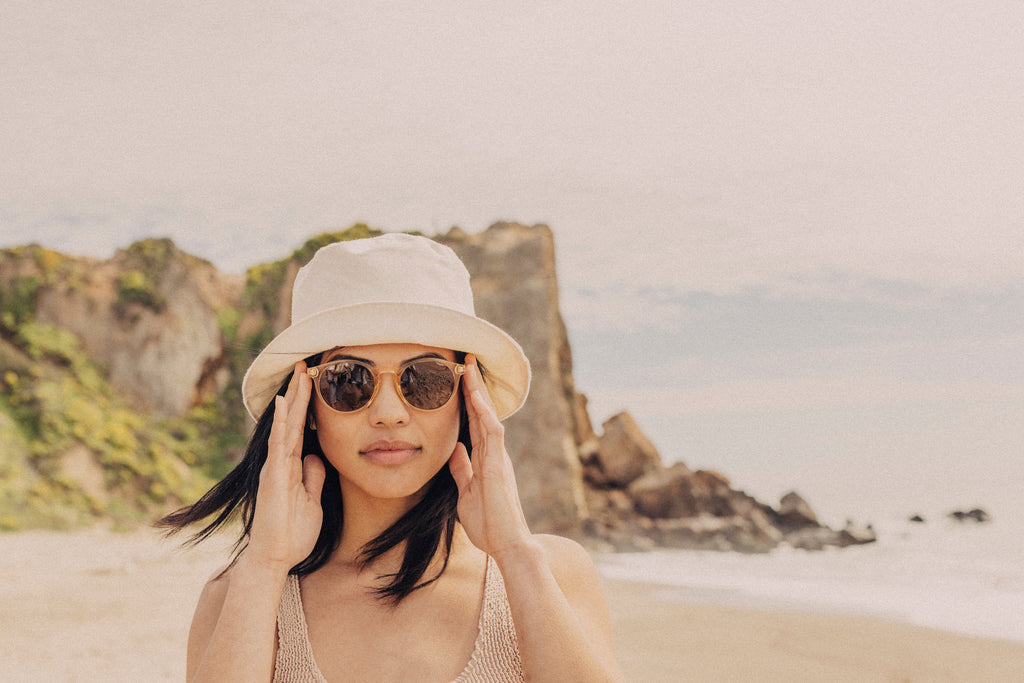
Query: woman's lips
{"x": 389, "y": 452}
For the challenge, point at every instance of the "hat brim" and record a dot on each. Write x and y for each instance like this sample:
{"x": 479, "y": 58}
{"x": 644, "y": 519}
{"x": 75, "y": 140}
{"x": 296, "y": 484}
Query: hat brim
{"x": 507, "y": 367}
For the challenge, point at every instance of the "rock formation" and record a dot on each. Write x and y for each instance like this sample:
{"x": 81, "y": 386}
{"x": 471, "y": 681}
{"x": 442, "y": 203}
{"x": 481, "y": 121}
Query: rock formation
{"x": 974, "y": 515}
{"x": 623, "y": 454}
{"x": 512, "y": 269}
{"x": 677, "y": 507}
{"x": 172, "y": 333}
{"x": 149, "y": 316}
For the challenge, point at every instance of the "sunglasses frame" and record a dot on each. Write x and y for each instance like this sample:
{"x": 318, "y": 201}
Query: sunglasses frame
{"x": 457, "y": 370}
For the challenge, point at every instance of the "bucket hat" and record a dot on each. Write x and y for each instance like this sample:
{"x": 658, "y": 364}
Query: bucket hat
{"x": 390, "y": 289}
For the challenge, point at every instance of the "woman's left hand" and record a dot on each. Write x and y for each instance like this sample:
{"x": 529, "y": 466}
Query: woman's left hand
{"x": 489, "y": 507}
{"x": 562, "y": 624}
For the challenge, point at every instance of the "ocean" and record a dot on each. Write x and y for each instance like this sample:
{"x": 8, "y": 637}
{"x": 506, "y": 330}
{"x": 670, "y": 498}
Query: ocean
{"x": 966, "y": 578}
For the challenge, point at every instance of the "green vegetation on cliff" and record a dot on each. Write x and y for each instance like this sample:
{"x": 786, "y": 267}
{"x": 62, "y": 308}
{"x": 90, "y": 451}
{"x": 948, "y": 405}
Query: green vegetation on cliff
{"x": 137, "y": 287}
{"x": 18, "y": 302}
{"x": 73, "y": 450}
{"x": 18, "y": 292}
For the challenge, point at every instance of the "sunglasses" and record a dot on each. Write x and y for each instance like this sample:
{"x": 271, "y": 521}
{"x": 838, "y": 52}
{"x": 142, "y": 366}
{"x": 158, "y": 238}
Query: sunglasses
{"x": 347, "y": 385}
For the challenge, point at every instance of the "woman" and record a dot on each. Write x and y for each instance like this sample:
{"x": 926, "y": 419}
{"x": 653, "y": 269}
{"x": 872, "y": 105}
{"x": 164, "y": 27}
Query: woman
{"x": 374, "y": 547}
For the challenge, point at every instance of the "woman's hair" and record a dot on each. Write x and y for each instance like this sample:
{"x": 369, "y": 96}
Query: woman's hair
{"x": 421, "y": 528}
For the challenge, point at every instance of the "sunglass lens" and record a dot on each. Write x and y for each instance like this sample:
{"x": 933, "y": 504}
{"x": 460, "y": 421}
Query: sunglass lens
{"x": 346, "y": 385}
{"x": 427, "y": 385}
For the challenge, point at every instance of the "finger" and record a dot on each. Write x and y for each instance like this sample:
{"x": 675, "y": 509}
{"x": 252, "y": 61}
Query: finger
{"x": 473, "y": 380}
{"x": 298, "y": 404}
{"x": 480, "y": 408}
{"x": 286, "y": 431}
{"x": 489, "y": 448}
{"x": 468, "y": 387}
{"x": 460, "y": 467}
{"x": 313, "y": 475}
{"x": 278, "y": 430}
{"x": 293, "y": 383}
{"x": 290, "y": 427}
{"x": 299, "y": 386}
{"x": 485, "y": 414}
{"x": 481, "y": 384}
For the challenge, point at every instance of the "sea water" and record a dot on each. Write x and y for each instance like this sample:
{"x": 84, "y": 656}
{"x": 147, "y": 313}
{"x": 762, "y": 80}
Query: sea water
{"x": 966, "y": 578}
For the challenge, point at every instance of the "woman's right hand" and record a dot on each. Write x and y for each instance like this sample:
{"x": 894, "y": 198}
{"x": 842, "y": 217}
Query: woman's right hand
{"x": 287, "y": 518}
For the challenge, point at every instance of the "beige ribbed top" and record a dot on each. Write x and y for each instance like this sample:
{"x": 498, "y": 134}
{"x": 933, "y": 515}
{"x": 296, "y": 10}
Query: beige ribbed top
{"x": 495, "y": 656}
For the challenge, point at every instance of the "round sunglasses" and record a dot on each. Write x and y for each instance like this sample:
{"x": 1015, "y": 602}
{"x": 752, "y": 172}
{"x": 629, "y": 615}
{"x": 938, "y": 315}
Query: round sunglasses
{"x": 347, "y": 385}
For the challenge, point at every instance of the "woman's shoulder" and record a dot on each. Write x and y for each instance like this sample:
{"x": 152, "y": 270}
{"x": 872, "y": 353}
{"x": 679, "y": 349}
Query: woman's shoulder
{"x": 562, "y": 547}
{"x": 569, "y": 561}
{"x": 577, "y": 577}
{"x": 211, "y": 600}
{"x": 217, "y": 584}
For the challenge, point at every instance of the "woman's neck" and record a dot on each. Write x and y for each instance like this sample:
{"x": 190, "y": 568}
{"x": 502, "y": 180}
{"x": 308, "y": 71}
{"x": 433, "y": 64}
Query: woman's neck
{"x": 364, "y": 519}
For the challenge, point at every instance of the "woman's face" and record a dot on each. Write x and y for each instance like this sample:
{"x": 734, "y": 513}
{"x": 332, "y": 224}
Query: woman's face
{"x": 387, "y": 449}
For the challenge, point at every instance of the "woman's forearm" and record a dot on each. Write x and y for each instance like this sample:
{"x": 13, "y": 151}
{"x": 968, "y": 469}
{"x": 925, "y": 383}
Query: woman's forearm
{"x": 241, "y": 646}
{"x": 553, "y": 642}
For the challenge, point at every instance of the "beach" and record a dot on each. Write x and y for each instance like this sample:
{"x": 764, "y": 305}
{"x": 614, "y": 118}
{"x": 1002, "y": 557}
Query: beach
{"x": 665, "y": 640}
{"x": 99, "y": 605}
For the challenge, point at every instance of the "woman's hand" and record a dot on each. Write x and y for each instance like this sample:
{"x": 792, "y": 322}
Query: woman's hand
{"x": 489, "y": 507}
{"x": 288, "y": 516}
{"x": 562, "y": 624}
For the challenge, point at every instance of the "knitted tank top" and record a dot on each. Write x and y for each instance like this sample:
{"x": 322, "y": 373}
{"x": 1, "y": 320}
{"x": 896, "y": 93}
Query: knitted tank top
{"x": 495, "y": 656}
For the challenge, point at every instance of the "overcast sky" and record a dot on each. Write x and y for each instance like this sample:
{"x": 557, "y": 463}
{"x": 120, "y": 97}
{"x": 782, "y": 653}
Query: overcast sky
{"x": 802, "y": 222}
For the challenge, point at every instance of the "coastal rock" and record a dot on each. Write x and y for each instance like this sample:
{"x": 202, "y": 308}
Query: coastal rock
{"x": 854, "y": 534}
{"x": 150, "y": 317}
{"x": 704, "y": 492}
{"x": 795, "y": 513}
{"x": 623, "y": 455}
{"x": 677, "y": 491}
{"x": 664, "y": 493}
{"x": 812, "y": 538}
{"x": 818, "y": 537}
{"x": 751, "y": 534}
{"x": 977, "y": 515}
{"x": 584, "y": 428}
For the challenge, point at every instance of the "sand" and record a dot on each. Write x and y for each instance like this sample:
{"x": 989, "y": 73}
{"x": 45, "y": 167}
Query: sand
{"x": 95, "y": 605}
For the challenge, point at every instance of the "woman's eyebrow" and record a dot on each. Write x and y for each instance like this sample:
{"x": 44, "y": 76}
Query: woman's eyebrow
{"x": 345, "y": 356}
{"x": 429, "y": 354}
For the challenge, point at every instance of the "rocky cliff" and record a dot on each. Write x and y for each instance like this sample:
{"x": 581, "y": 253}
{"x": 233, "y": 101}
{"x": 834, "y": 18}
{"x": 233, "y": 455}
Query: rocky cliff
{"x": 150, "y": 317}
{"x": 172, "y": 336}
{"x": 514, "y": 286}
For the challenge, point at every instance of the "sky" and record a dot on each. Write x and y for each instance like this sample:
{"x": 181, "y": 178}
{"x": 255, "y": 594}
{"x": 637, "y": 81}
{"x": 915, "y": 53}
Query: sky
{"x": 795, "y": 230}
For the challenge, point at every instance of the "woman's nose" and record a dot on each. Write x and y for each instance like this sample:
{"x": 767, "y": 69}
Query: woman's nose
{"x": 388, "y": 408}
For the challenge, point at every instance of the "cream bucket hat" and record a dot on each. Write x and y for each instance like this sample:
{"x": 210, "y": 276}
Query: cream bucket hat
{"x": 394, "y": 288}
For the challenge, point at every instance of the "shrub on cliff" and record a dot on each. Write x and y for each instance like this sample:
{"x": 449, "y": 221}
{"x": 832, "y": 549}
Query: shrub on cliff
{"x": 137, "y": 287}
{"x": 23, "y": 272}
{"x": 74, "y": 450}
